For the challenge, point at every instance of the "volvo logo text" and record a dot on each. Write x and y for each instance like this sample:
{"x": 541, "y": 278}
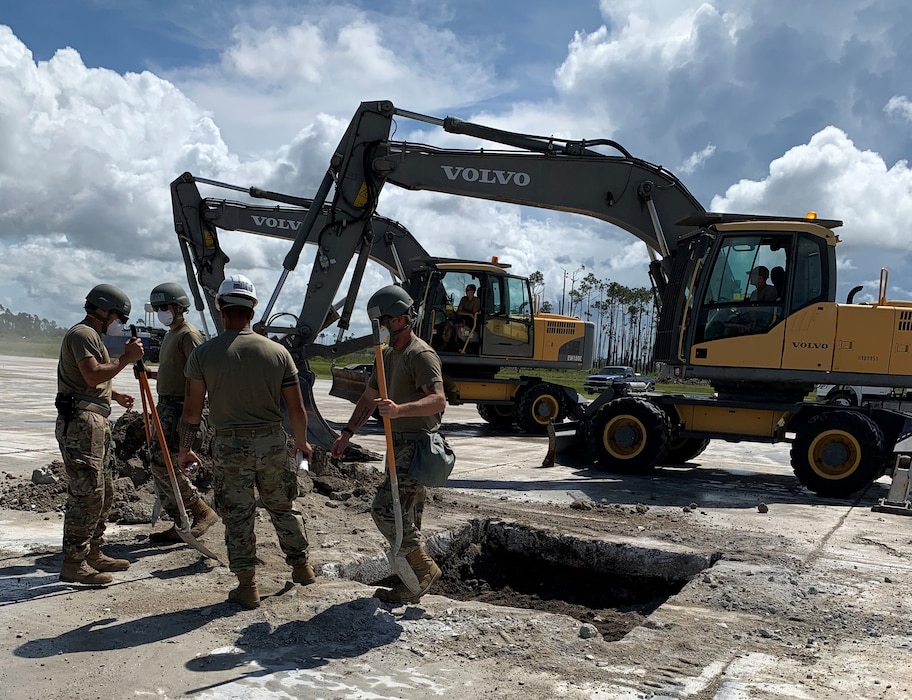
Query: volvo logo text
{"x": 486, "y": 176}
{"x": 811, "y": 346}
{"x": 272, "y": 222}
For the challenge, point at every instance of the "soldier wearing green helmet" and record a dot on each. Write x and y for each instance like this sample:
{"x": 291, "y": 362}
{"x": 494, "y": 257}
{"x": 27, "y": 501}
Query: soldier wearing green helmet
{"x": 83, "y": 431}
{"x": 415, "y": 406}
{"x": 171, "y": 303}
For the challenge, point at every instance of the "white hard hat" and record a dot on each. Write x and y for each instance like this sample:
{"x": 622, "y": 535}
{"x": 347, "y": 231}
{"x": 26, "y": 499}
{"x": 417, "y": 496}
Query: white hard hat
{"x": 236, "y": 290}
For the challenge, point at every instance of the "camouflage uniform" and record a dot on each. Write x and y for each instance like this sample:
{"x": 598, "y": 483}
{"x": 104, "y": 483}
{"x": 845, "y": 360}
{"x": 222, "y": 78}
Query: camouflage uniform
{"x": 248, "y": 459}
{"x": 176, "y": 348}
{"x": 244, "y": 374}
{"x": 85, "y": 444}
{"x": 407, "y": 370}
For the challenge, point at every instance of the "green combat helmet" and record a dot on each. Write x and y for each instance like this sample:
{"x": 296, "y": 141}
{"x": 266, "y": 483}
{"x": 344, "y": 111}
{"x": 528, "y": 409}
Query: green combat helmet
{"x": 169, "y": 293}
{"x": 107, "y": 297}
{"x": 389, "y": 302}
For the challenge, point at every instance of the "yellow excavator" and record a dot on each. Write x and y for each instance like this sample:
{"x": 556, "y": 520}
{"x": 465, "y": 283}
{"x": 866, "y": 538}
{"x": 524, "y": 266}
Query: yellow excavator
{"x": 748, "y": 302}
{"x": 505, "y": 329}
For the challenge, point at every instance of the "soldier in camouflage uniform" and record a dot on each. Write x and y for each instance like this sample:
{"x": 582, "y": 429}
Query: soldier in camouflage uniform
{"x": 83, "y": 431}
{"x": 415, "y": 404}
{"x": 171, "y": 302}
{"x": 247, "y": 377}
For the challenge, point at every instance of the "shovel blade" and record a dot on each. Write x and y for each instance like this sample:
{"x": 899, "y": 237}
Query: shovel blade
{"x": 186, "y": 536}
{"x": 400, "y": 566}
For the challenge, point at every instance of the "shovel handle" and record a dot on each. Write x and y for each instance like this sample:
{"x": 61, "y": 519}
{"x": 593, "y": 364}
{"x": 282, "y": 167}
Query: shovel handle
{"x": 388, "y": 432}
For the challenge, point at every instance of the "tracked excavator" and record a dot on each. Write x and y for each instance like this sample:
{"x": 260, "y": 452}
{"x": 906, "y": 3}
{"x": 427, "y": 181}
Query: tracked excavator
{"x": 506, "y": 330}
{"x": 762, "y": 351}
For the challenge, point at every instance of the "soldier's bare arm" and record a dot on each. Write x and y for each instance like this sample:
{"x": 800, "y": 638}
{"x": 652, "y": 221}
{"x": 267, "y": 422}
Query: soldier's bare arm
{"x": 297, "y": 416}
{"x": 363, "y": 411}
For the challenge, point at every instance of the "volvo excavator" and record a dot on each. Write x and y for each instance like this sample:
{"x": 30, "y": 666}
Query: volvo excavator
{"x": 507, "y": 330}
{"x": 761, "y": 352}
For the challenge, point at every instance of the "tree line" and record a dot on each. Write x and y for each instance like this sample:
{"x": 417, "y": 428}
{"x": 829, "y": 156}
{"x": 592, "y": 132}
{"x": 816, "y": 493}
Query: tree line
{"x": 23, "y": 325}
{"x": 624, "y": 318}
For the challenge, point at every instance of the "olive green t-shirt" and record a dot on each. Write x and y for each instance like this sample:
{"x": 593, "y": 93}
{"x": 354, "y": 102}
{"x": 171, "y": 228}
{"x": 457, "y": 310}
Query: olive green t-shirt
{"x": 468, "y": 306}
{"x": 80, "y": 342}
{"x": 244, "y": 374}
{"x": 175, "y": 350}
{"x": 407, "y": 370}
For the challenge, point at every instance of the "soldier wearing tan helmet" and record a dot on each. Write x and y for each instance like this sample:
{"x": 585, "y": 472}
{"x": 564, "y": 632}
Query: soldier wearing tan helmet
{"x": 83, "y": 431}
{"x": 247, "y": 377}
{"x": 170, "y": 302}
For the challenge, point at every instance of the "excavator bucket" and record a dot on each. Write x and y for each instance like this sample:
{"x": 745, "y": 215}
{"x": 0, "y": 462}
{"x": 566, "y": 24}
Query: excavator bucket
{"x": 349, "y": 381}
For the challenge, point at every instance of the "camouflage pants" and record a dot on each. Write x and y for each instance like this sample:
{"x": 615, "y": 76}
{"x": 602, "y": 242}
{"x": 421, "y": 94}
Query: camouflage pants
{"x": 411, "y": 497}
{"x": 169, "y": 413}
{"x": 88, "y": 454}
{"x": 245, "y": 460}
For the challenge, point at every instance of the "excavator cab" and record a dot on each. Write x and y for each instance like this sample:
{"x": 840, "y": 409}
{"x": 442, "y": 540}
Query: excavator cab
{"x": 476, "y": 311}
{"x": 747, "y": 294}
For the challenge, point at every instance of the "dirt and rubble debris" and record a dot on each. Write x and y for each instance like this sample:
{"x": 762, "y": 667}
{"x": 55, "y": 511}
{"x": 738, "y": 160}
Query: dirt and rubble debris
{"x": 350, "y": 483}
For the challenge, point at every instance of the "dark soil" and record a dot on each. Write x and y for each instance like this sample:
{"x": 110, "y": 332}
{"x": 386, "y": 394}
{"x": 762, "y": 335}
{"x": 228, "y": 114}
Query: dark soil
{"x": 613, "y": 603}
{"x": 349, "y": 483}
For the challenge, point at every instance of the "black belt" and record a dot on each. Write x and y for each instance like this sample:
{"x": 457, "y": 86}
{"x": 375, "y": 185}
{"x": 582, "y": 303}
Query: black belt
{"x": 247, "y": 432}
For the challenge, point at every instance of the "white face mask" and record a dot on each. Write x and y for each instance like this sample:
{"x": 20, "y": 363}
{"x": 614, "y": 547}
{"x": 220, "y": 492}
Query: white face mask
{"x": 115, "y": 327}
{"x": 165, "y": 317}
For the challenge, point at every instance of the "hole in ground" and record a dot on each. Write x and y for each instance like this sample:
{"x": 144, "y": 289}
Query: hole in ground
{"x": 612, "y": 585}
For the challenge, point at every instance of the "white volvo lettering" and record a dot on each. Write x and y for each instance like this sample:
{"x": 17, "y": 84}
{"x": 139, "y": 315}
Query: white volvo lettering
{"x": 272, "y": 222}
{"x": 486, "y": 176}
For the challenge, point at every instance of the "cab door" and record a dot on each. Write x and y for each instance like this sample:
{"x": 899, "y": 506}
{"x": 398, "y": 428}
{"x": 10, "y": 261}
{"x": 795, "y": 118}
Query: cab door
{"x": 507, "y": 324}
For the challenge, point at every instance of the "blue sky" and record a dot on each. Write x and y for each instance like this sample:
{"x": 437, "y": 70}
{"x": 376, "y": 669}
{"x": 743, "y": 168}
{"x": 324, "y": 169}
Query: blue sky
{"x": 758, "y": 106}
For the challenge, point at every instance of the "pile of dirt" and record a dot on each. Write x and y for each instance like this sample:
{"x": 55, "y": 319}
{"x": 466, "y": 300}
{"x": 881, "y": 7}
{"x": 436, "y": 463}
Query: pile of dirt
{"x": 347, "y": 483}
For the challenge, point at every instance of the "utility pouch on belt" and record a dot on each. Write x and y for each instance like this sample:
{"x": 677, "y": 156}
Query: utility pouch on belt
{"x": 433, "y": 461}
{"x": 66, "y": 406}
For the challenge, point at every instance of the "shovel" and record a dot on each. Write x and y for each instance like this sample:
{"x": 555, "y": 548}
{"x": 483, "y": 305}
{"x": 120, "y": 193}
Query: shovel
{"x": 184, "y": 530}
{"x": 157, "y": 508}
{"x": 398, "y": 563}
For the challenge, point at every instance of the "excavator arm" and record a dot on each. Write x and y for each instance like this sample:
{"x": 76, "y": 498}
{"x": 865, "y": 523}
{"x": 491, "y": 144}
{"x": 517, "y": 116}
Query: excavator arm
{"x": 198, "y": 219}
{"x": 643, "y": 199}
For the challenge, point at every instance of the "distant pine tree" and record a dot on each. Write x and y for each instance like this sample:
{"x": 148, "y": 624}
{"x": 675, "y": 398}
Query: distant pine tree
{"x": 23, "y": 325}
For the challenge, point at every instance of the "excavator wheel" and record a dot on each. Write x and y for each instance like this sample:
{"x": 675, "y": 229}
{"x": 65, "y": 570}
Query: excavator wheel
{"x": 537, "y": 406}
{"x": 683, "y": 450}
{"x": 628, "y": 435}
{"x": 499, "y": 415}
{"x": 837, "y": 453}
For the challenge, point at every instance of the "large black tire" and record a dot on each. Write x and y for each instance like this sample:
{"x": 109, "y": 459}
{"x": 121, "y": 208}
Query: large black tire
{"x": 500, "y": 415}
{"x": 837, "y": 453}
{"x": 628, "y": 435}
{"x": 537, "y": 406}
{"x": 683, "y": 450}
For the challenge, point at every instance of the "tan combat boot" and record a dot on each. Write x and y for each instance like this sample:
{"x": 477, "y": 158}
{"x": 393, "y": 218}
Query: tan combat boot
{"x": 303, "y": 573}
{"x": 80, "y": 572}
{"x": 102, "y": 562}
{"x": 246, "y": 594}
{"x": 426, "y": 571}
{"x": 424, "y": 567}
{"x": 203, "y": 517}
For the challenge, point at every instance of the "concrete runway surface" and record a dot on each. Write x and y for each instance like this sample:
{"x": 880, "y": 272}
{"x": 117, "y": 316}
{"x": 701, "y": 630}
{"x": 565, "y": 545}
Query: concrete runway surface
{"x": 826, "y": 618}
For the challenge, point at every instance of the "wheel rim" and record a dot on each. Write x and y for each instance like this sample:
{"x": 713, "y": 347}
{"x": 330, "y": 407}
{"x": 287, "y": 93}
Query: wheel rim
{"x": 834, "y": 454}
{"x": 501, "y": 411}
{"x": 545, "y": 409}
{"x": 624, "y": 437}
